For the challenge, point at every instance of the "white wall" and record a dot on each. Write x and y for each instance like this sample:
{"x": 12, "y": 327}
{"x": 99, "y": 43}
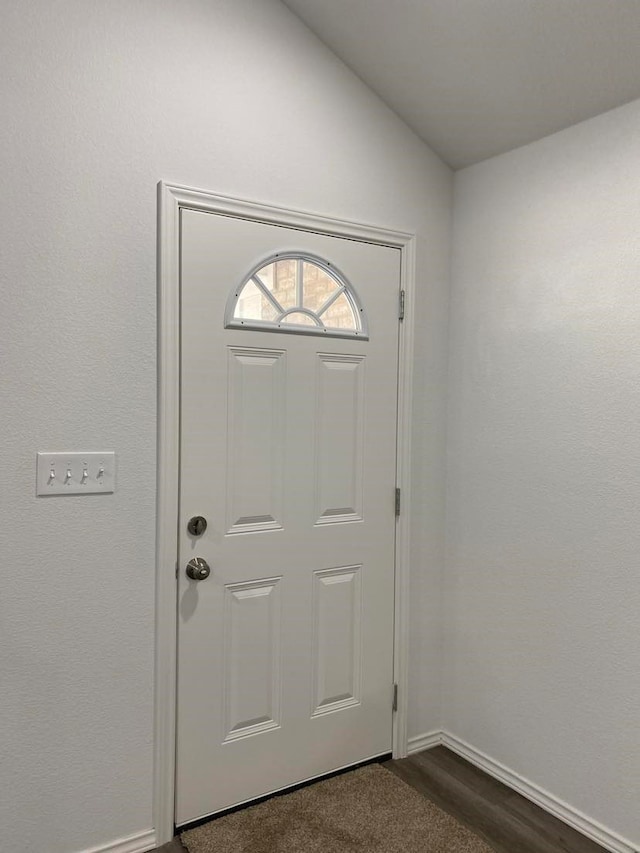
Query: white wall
{"x": 542, "y": 593}
{"x": 100, "y": 101}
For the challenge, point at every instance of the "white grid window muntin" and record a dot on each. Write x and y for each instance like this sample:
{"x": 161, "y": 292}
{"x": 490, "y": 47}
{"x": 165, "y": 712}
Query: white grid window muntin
{"x": 297, "y": 293}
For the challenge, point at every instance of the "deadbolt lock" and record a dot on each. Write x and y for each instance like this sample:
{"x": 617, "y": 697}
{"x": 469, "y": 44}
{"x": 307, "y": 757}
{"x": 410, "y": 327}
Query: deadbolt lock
{"x": 197, "y": 525}
{"x": 198, "y": 569}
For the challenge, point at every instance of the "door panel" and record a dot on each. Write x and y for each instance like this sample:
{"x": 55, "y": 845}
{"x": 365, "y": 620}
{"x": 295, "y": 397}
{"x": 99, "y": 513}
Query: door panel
{"x": 285, "y": 659}
{"x": 251, "y": 651}
{"x": 339, "y": 437}
{"x": 256, "y": 400}
{"x": 337, "y": 639}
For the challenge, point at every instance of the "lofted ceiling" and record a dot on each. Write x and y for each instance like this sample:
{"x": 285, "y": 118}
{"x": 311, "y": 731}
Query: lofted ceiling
{"x": 475, "y": 78}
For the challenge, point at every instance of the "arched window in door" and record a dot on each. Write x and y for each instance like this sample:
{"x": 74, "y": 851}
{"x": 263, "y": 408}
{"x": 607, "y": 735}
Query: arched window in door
{"x": 299, "y": 293}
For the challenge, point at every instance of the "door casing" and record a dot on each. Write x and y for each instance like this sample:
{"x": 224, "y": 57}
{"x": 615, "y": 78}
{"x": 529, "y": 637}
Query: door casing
{"x": 171, "y": 199}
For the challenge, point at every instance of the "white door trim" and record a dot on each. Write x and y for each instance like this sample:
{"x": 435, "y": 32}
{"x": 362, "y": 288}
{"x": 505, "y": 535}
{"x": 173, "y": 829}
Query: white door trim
{"x": 171, "y": 199}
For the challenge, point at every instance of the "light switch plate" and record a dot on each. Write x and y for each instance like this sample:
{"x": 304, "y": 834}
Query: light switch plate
{"x": 75, "y": 473}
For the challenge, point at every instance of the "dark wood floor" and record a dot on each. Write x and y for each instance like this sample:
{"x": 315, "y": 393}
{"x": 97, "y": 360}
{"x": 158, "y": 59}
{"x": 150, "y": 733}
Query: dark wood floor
{"x": 508, "y": 822}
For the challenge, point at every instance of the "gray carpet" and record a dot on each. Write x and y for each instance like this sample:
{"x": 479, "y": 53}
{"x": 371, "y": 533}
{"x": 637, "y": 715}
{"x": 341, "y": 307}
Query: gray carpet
{"x": 368, "y": 810}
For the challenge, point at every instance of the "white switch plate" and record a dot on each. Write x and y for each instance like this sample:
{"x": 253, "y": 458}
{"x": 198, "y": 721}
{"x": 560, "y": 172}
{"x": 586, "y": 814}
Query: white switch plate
{"x": 75, "y": 473}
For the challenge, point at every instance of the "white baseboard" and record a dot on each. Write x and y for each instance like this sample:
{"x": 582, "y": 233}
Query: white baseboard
{"x": 571, "y": 816}
{"x": 139, "y": 843}
{"x": 422, "y": 742}
{"x": 145, "y": 841}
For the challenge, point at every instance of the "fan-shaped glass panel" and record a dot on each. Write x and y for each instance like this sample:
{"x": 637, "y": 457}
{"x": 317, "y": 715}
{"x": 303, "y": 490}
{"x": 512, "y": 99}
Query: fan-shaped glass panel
{"x": 339, "y": 315}
{"x": 317, "y": 286}
{"x": 280, "y": 279}
{"x": 297, "y": 293}
{"x": 299, "y": 319}
{"x": 253, "y": 304}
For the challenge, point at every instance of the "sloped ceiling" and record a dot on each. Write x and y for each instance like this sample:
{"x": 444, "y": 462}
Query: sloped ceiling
{"x": 475, "y": 78}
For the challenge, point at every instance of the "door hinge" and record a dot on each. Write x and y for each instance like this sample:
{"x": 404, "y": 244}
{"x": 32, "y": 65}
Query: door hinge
{"x": 401, "y": 314}
{"x": 397, "y": 502}
{"x": 177, "y": 569}
{"x": 395, "y": 697}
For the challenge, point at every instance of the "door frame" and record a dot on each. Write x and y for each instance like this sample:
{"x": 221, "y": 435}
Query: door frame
{"x": 172, "y": 198}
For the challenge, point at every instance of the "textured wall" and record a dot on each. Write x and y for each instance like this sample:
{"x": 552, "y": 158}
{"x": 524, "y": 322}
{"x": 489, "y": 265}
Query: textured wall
{"x": 100, "y": 101}
{"x": 542, "y": 590}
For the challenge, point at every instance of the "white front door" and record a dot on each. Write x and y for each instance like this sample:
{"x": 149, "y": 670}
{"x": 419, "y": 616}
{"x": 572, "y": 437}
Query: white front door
{"x": 288, "y": 449}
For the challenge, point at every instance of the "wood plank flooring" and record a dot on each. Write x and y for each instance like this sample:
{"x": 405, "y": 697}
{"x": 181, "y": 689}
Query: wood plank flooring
{"x": 508, "y": 822}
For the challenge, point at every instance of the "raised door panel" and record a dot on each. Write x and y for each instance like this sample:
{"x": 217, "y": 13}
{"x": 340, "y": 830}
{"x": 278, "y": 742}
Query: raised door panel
{"x": 339, "y": 438}
{"x": 255, "y": 439}
{"x": 337, "y": 641}
{"x": 252, "y": 665}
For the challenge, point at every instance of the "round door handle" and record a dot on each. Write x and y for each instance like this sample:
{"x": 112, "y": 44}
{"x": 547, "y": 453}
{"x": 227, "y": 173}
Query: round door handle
{"x": 198, "y": 569}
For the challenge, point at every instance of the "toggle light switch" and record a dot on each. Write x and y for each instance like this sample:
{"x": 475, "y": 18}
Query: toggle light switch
{"x": 75, "y": 473}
